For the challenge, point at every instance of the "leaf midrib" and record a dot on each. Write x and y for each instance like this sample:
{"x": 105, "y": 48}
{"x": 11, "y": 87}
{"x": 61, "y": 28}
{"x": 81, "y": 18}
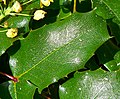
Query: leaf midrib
{"x": 51, "y": 53}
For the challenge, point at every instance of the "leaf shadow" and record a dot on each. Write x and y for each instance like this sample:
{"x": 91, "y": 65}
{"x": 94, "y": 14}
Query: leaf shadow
{"x": 4, "y": 67}
{"x": 14, "y": 48}
{"x": 50, "y": 17}
{"x": 52, "y": 91}
{"x": 5, "y": 58}
{"x": 4, "y": 93}
{"x": 114, "y": 31}
{"x": 93, "y": 63}
{"x": 84, "y": 6}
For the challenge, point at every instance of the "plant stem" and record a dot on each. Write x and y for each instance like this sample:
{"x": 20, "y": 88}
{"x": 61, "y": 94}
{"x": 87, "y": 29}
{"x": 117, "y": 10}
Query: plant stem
{"x": 27, "y": 2}
{"x": 4, "y": 30}
{"x": 1, "y": 8}
{"x": 20, "y": 14}
{"x": 74, "y": 6}
{"x": 10, "y": 77}
{"x": 2, "y": 26}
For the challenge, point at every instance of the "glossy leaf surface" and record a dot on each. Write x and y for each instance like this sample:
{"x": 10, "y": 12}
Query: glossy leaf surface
{"x": 4, "y": 93}
{"x": 55, "y": 50}
{"x": 107, "y": 8}
{"x": 5, "y": 42}
{"x": 106, "y": 54}
{"x": 97, "y": 84}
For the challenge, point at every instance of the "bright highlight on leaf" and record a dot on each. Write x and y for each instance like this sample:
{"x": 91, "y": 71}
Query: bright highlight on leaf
{"x": 74, "y": 43}
{"x": 92, "y": 85}
{"x": 17, "y": 7}
{"x": 65, "y": 45}
{"x": 39, "y": 14}
{"x": 11, "y": 33}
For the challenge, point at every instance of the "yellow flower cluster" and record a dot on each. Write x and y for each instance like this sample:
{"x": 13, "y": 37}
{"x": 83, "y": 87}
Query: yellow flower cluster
{"x": 45, "y": 2}
{"x": 39, "y": 14}
{"x": 3, "y": 1}
{"x": 11, "y": 33}
{"x": 16, "y": 7}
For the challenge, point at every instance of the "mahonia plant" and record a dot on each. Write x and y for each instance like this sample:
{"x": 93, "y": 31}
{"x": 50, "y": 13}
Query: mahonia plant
{"x": 59, "y": 49}
{"x": 17, "y": 8}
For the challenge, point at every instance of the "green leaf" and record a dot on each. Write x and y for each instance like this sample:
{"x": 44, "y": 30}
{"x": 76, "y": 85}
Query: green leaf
{"x": 97, "y": 84}
{"x": 4, "y": 92}
{"x": 51, "y": 52}
{"x": 117, "y": 58}
{"x": 114, "y": 29}
{"x": 106, "y": 52}
{"x": 106, "y": 55}
{"x": 54, "y": 5}
{"x": 5, "y": 42}
{"x": 64, "y": 13}
{"x": 65, "y": 2}
{"x": 112, "y": 65}
{"x": 91, "y": 64}
{"x": 107, "y": 8}
{"x": 19, "y": 22}
{"x": 35, "y": 4}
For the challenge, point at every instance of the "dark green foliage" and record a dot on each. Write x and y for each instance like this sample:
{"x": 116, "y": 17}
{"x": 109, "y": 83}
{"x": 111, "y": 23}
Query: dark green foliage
{"x": 66, "y": 55}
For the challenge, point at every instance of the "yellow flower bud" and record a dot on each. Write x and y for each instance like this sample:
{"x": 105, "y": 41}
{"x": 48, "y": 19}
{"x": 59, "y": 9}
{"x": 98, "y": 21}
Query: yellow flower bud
{"x": 11, "y": 33}
{"x": 4, "y": 1}
{"x": 46, "y": 2}
{"x": 51, "y": 1}
{"x": 39, "y": 14}
{"x": 5, "y": 24}
{"x": 17, "y": 7}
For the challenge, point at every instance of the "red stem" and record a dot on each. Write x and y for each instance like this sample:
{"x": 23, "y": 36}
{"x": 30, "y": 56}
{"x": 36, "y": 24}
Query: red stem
{"x": 10, "y": 77}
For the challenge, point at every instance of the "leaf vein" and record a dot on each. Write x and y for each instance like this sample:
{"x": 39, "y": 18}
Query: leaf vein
{"x": 111, "y": 9}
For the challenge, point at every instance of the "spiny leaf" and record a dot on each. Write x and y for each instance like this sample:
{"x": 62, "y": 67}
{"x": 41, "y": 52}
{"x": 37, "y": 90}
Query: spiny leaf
{"x": 107, "y": 8}
{"x": 106, "y": 55}
{"x": 97, "y": 84}
{"x": 5, "y": 42}
{"x": 55, "y": 50}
